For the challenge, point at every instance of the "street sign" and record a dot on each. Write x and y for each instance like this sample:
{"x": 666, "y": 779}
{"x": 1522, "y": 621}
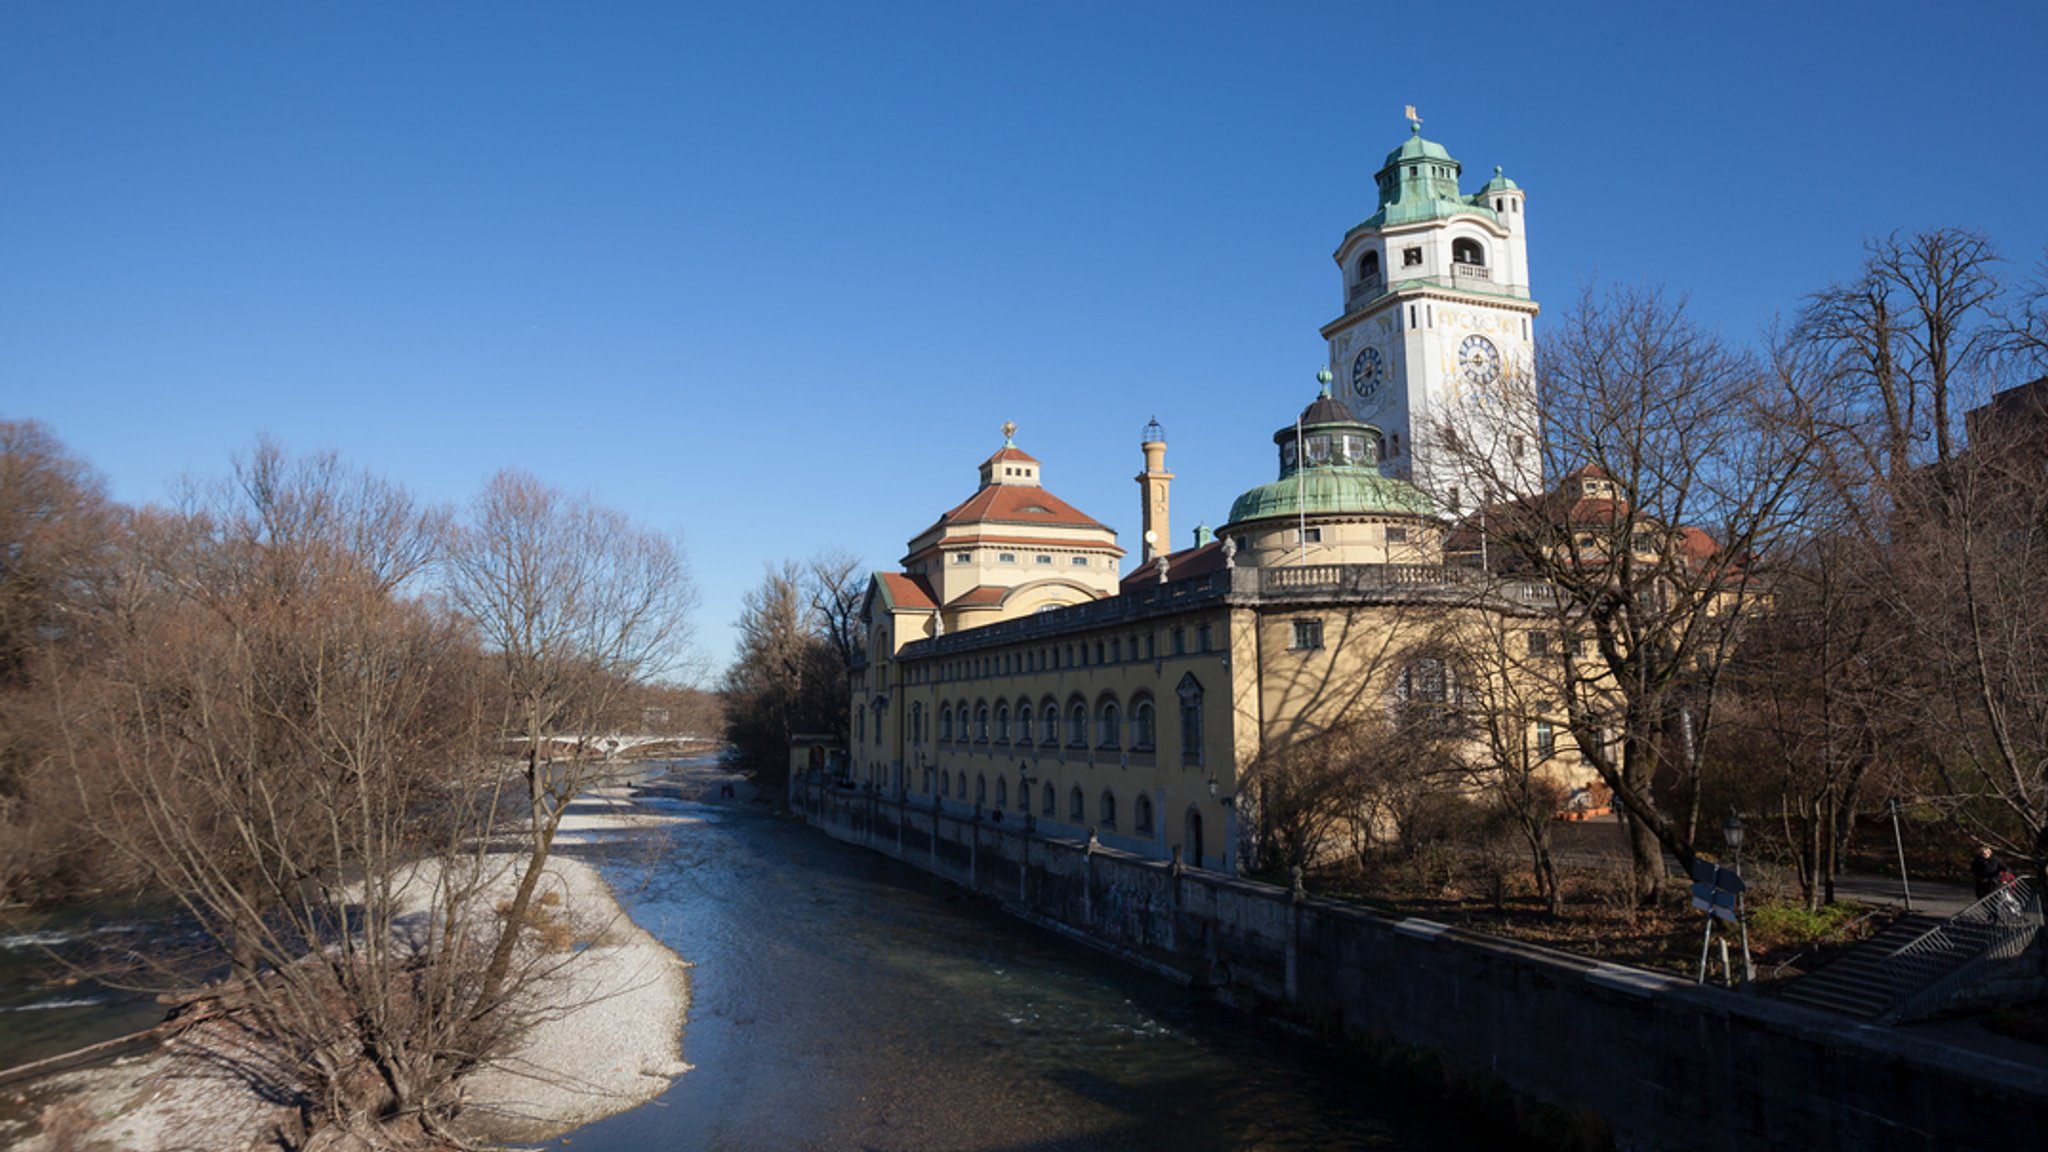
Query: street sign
{"x": 1715, "y": 910}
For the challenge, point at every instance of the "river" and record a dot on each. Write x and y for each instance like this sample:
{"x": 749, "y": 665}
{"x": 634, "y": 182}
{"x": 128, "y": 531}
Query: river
{"x": 841, "y": 1000}
{"x": 844, "y": 1001}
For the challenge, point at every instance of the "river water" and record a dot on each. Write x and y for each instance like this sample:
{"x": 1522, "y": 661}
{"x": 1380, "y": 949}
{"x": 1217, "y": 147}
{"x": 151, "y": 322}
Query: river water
{"x": 841, "y": 1000}
{"x": 844, "y": 1001}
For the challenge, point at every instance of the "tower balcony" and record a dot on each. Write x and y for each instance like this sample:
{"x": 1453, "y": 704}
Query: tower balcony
{"x": 1471, "y": 272}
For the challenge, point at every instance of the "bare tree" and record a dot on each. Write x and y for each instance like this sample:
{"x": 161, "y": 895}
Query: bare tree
{"x": 57, "y": 532}
{"x": 281, "y": 733}
{"x": 1511, "y": 754}
{"x": 1904, "y": 338}
{"x": 799, "y": 633}
{"x": 576, "y": 606}
{"x": 1678, "y": 467}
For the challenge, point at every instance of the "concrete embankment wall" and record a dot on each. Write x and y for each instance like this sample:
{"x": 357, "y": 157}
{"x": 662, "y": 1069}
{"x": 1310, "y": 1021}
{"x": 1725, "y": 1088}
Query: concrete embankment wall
{"x": 1667, "y": 1064}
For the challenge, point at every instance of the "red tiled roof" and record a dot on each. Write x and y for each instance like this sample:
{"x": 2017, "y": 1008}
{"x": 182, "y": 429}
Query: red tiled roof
{"x": 909, "y": 591}
{"x": 1183, "y": 565}
{"x": 980, "y": 594}
{"x": 1016, "y": 504}
{"x": 1006, "y": 455}
{"x": 1696, "y": 545}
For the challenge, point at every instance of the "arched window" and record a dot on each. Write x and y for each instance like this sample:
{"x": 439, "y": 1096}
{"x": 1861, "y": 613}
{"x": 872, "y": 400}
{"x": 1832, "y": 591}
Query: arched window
{"x": 917, "y": 725}
{"x": 1108, "y": 813}
{"x": 1190, "y": 693}
{"x": 878, "y": 721}
{"x": 1002, "y": 792}
{"x": 1077, "y": 724}
{"x": 1141, "y": 813}
{"x": 945, "y": 783}
{"x": 860, "y": 726}
{"x": 981, "y": 722}
{"x": 1002, "y": 723}
{"x": 1144, "y": 727}
{"x": 1049, "y": 723}
{"x": 1425, "y": 681}
{"x": 1109, "y": 724}
{"x": 1077, "y": 805}
{"x": 1465, "y": 250}
{"x": 1368, "y": 267}
{"x": 1024, "y": 722}
{"x": 981, "y": 789}
{"x": 1050, "y": 805}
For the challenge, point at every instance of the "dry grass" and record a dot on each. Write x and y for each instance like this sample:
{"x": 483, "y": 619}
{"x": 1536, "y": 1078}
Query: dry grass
{"x": 1601, "y": 918}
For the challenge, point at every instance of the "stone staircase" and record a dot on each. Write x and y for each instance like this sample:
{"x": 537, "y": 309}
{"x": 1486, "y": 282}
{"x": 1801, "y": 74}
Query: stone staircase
{"x": 1920, "y": 962}
{"x": 1857, "y": 984}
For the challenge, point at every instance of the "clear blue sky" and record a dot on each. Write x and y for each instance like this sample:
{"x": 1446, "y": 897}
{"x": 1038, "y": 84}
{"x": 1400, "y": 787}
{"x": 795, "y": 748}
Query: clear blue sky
{"x": 774, "y": 275}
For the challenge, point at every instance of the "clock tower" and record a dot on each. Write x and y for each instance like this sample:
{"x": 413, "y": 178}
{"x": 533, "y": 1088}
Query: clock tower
{"x": 1437, "y": 329}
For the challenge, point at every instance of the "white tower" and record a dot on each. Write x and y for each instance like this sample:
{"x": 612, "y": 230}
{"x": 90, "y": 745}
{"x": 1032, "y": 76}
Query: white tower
{"x": 1437, "y": 325}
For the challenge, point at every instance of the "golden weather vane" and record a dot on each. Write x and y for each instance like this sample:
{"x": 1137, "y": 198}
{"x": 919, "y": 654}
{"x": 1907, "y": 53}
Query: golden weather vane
{"x": 1413, "y": 118}
{"x": 1009, "y": 430}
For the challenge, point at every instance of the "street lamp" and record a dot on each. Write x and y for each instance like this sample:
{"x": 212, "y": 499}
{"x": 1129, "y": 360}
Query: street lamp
{"x": 1732, "y": 833}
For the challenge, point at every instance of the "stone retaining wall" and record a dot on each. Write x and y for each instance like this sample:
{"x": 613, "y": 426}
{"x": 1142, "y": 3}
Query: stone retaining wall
{"x": 1670, "y": 1065}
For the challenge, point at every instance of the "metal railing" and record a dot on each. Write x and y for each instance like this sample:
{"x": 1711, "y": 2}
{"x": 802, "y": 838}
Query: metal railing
{"x": 1929, "y": 971}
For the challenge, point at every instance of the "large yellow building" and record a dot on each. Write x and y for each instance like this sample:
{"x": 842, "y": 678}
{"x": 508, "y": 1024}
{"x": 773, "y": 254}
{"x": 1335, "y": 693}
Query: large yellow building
{"x": 1010, "y": 672}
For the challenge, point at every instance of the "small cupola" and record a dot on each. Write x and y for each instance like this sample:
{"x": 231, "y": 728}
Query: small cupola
{"x": 1329, "y": 465}
{"x": 1010, "y": 465}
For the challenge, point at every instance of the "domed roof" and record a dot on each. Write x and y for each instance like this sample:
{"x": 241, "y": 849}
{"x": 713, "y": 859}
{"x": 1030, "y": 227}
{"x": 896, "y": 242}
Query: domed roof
{"x": 1499, "y": 183}
{"x": 1337, "y": 472}
{"x": 1326, "y": 409}
{"x": 1340, "y": 491}
{"x": 1417, "y": 148}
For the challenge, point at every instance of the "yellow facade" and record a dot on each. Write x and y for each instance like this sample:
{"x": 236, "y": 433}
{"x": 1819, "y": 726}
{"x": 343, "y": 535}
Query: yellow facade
{"x": 1132, "y": 711}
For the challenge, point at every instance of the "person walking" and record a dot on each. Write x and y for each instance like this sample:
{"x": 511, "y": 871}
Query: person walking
{"x": 1985, "y": 869}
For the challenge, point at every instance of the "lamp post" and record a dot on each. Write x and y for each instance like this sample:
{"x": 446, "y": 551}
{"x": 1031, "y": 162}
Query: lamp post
{"x": 1732, "y": 833}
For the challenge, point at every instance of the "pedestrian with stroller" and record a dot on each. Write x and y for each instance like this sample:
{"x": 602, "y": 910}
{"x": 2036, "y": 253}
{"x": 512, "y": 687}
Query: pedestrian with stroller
{"x": 1986, "y": 869}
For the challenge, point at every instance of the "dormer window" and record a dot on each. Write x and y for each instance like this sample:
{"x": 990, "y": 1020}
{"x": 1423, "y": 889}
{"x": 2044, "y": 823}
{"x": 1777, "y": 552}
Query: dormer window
{"x": 1411, "y": 257}
{"x": 1468, "y": 251}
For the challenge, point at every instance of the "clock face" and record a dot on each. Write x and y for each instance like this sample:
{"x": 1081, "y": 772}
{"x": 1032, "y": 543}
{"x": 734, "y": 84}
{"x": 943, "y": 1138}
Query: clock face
{"x": 1366, "y": 373}
{"x": 1479, "y": 360}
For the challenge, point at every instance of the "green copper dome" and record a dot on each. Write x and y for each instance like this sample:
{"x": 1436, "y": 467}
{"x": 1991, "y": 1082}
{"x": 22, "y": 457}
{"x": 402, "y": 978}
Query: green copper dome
{"x": 1329, "y": 466}
{"x": 1419, "y": 181}
{"x": 1335, "y": 491}
{"x": 1416, "y": 148}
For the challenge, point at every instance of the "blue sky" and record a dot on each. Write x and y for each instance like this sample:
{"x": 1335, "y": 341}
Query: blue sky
{"x": 773, "y": 276}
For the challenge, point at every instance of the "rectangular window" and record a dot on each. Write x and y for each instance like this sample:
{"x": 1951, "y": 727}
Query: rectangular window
{"x": 1006, "y": 557}
{"x": 1311, "y": 535}
{"x": 1202, "y": 638}
{"x": 1539, "y": 643}
{"x": 1308, "y": 634}
{"x": 1080, "y": 561}
{"x": 1397, "y": 535}
{"x": 1546, "y": 740}
{"x": 963, "y": 557}
{"x": 1411, "y": 257}
{"x": 1045, "y": 559}
{"x": 1180, "y": 641}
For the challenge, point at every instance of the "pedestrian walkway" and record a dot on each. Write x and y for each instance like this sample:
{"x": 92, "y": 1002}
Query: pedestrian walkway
{"x": 1599, "y": 843}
